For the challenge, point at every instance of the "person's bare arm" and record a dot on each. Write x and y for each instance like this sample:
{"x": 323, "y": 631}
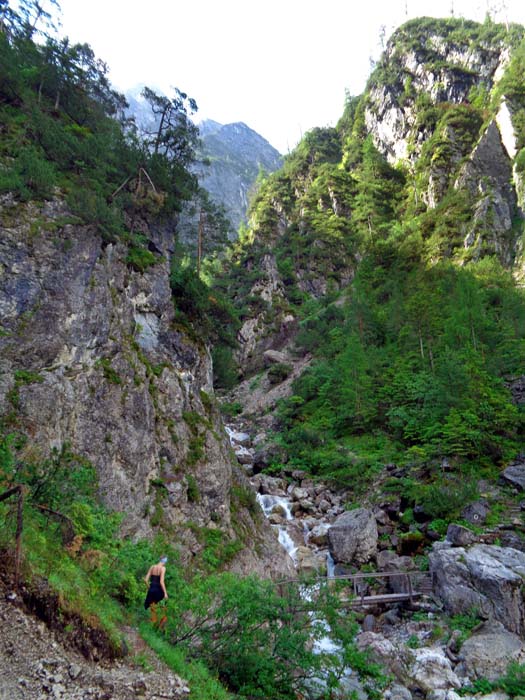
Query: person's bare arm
{"x": 162, "y": 583}
{"x": 147, "y": 577}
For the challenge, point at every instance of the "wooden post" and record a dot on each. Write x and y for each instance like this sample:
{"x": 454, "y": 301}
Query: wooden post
{"x": 409, "y": 587}
{"x": 18, "y": 536}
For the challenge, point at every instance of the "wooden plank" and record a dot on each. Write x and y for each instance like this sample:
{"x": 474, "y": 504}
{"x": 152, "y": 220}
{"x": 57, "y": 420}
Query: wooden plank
{"x": 379, "y": 599}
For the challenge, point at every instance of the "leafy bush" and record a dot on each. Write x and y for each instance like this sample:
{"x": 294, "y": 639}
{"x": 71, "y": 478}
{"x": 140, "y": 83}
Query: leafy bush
{"x": 279, "y": 372}
{"x": 91, "y": 207}
{"x": 140, "y": 258}
{"x": 256, "y": 641}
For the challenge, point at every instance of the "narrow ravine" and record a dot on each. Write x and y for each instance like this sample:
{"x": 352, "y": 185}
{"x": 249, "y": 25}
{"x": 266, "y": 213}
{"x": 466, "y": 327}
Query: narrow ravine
{"x": 299, "y": 509}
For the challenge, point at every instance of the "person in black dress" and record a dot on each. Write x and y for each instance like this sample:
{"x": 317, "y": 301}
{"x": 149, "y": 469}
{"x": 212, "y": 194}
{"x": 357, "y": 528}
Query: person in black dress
{"x": 155, "y": 578}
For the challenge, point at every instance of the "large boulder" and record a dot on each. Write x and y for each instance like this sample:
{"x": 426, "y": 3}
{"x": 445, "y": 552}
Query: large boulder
{"x": 487, "y": 653}
{"x": 476, "y": 513}
{"x": 319, "y": 535}
{"x": 460, "y": 536}
{"x": 485, "y": 577}
{"x": 514, "y": 474}
{"x": 432, "y": 670}
{"x": 352, "y": 539}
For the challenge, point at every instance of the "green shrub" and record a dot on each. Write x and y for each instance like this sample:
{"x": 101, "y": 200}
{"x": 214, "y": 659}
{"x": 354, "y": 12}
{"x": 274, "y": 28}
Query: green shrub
{"x": 192, "y": 489}
{"x": 91, "y": 207}
{"x": 465, "y": 623}
{"x": 513, "y": 682}
{"x": 37, "y": 174}
{"x": 519, "y": 161}
{"x": 110, "y": 374}
{"x": 140, "y": 258}
{"x": 231, "y": 409}
{"x": 279, "y": 372}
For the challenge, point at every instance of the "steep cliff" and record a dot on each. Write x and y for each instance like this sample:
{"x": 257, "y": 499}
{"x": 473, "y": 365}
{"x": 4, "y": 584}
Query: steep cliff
{"x": 92, "y": 356}
{"x": 434, "y": 145}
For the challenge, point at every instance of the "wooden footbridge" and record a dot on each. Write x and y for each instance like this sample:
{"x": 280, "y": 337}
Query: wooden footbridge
{"x": 364, "y": 589}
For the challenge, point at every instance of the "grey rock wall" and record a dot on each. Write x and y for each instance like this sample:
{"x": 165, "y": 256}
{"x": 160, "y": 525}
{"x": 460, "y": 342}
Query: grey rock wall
{"x": 486, "y": 578}
{"x": 111, "y": 373}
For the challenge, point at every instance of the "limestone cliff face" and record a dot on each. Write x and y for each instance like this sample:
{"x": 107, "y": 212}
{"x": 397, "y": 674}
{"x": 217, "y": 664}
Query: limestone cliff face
{"x": 92, "y": 356}
{"x": 438, "y": 68}
{"x": 427, "y": 70}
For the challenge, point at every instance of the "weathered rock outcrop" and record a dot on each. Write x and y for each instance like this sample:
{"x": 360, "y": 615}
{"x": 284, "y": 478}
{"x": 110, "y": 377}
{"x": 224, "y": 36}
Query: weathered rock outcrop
{"x": 444, "y": 70}
{"x": 485, "y": 577}
{"x": 488, "y": 652}
{"x": 92, "y": 356}
{"x": 514, "y": 474}
{"x": 487, "y": 176}
{"x": 423, "y": 66}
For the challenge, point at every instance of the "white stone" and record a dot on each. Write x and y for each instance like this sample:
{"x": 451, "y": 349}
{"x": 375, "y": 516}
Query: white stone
{"x": 432, "y": 670}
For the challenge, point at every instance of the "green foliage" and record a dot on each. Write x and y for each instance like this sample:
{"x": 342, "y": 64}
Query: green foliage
{"x": 110, "y": 374}
{"x": 418, "y": 355}
{"x": 31, "y": 177}
{"x": 413, "y": 642}
{"x": 202, "y": 682}
{"x": 244, "y": 497}
{"x": 279, "y": 372}
{"x": 139, "y": 257}
{"x": 231, "y": 409}
{"x": 64, "y": 130}
{"x": 512, "y": 683}
{"x": 23, "y": 376}
{"x": 224, "y": 368}
{"x": 192, "y": 489}
{"x": 448, "y": 496}
{"x": 205, "y": 312}
{"x": 465, "y": 623}
{"x": 256, "y": 641}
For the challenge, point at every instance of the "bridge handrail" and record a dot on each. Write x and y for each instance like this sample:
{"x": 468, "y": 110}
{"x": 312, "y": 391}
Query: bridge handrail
{"x": 359, "y": 575}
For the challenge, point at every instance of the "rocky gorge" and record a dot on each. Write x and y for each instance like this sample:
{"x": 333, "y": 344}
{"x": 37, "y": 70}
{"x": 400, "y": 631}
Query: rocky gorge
{"x": 340, "y": 408}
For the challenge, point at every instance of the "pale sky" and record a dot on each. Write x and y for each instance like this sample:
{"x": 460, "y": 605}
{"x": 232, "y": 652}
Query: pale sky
{"x": 280, "y": 66}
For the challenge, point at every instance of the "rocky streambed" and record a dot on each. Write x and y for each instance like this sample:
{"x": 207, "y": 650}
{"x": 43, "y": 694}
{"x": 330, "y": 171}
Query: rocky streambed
{"x": 465, "y": 631}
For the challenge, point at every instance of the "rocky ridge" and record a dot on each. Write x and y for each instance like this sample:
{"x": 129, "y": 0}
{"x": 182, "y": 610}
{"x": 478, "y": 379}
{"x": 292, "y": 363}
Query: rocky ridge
{"x": 439, "y": 108}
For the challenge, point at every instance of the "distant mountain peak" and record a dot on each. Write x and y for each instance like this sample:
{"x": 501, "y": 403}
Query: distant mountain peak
{"x": 236, "y": 153}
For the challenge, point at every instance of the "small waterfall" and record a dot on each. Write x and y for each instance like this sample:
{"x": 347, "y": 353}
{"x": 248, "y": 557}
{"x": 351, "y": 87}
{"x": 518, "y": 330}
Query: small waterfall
{"x": 236, "y": 437}
{"x": 330, "y": 565}
{"x": 269, "y": 503}
{"x": 286, "y": 541}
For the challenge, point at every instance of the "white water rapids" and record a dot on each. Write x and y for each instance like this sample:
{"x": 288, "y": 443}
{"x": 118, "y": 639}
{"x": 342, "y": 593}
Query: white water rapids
{"x": 281, "y": 505}
{"x": 269, "y": 504}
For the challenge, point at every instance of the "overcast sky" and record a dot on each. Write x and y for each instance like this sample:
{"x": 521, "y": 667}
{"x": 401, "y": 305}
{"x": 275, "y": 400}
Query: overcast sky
{"x": 280, "y": 66}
